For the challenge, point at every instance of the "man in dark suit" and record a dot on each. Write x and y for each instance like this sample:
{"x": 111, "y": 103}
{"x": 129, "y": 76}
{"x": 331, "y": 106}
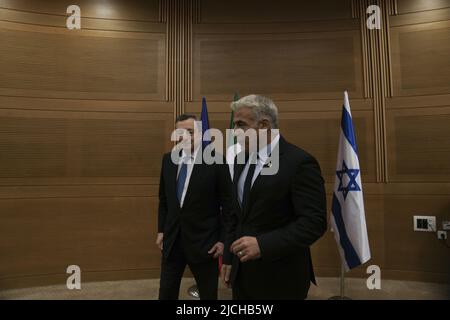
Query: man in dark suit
{"x": 192, "y": 198}
{"x": 275, "y": 218}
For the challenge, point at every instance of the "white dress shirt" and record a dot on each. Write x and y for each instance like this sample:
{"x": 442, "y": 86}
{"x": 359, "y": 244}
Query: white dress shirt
{"x": 262, "y": 159}
{"x": 190, "y": 161}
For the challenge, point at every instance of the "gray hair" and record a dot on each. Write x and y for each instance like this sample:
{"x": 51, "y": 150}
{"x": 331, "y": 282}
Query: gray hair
{"x": 262, "y": 108}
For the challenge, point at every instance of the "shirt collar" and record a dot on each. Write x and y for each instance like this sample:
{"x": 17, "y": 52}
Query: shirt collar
{"x": 264, "y": 152}
{"x": 185, "y": 158}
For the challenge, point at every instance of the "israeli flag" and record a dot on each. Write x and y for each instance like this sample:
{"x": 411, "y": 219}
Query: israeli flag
{"x": 348, "y": 219}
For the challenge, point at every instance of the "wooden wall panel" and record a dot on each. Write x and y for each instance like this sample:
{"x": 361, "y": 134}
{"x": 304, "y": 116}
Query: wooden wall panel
{"x": 78, "y": 144}
{"x": 419, "y": 145}
{"x": 318, "y": 133}
{"x": 59, "y": 21}
{"x": 91, "y": 66}
{"x": 46, "y": 235}
{"x": 421, "y": 51}
{"x": 414, "y": 251}
{"x": 417, "y": 62}
{"x": 146, "y": 10}
{"x": 417, "y": 116}
{"x": 408, "y": 6}
{"x": 43, "y": 147}
{"x": 32, "y": 148}
{"x": 281, "y": 65}
{"x": 252, "y": 11}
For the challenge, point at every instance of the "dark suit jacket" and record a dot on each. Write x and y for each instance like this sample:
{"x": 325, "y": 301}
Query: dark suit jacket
{"x": 200, "y": 219}
{"x": 286, "y": 212}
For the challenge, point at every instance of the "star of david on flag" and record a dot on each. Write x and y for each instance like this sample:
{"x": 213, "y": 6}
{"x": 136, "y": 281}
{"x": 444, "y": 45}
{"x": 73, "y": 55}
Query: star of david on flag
{"x": 351, "y": 184}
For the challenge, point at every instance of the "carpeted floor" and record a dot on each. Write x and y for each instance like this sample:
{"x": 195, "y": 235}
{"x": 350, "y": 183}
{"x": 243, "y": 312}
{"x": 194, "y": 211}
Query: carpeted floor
{"x": 148, "y": 289}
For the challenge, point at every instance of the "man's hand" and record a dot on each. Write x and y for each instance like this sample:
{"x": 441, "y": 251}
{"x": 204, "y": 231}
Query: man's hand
{"x": 225, "y": 274}
{"x": 246, "y": 248}
{"x": 159, "y": 240}
{"x": 216, "y": 250}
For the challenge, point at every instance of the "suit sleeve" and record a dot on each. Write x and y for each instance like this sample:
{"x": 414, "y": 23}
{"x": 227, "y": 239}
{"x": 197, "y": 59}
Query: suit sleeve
{"x": 224, "y": 194}
{"x": 229, "y": 222}
{"x": 309, "y": 224}
{"x": 162, "y": 209}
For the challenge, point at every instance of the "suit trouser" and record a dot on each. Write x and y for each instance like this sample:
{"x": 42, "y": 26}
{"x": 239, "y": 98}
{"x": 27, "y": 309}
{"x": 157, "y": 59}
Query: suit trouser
{"x": 246, "y": 287}
{"x": 206, "y": 275}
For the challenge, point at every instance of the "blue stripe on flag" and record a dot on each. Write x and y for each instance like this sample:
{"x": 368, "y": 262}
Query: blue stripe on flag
{"x": 206, "y": 139}
{"x": 351, "y": 257}
{"x": 347, "y": 128}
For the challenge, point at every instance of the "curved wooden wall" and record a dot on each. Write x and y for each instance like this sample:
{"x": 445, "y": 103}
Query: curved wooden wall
{"x": 85, "y": 116}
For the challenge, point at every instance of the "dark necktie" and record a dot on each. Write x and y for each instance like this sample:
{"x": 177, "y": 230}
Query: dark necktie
{"x": 248, "y": 184}
{"x": 181, "y": 180}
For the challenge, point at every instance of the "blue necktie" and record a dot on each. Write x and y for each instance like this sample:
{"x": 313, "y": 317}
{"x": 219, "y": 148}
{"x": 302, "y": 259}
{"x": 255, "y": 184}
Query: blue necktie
{"x": 181, "y": 180}
{"x": 248, "y": 184}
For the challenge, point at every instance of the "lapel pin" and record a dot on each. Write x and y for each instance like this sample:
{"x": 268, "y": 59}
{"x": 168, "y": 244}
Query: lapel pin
{"x": 268, "y": 164}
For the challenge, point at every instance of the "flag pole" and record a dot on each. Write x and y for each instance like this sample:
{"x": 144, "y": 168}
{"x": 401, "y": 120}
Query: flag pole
{"x": 342, "y": 286}
{"x": 342, "y": 282}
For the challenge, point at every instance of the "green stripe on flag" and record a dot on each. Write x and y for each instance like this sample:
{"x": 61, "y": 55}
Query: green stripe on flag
{"x": 235, "y": 98}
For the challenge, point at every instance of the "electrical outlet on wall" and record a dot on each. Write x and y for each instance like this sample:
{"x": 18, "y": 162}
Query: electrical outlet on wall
{"x": 446, "y": 225}
{"x": 442, "y": 235}
{"x": 424, "y": 223}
